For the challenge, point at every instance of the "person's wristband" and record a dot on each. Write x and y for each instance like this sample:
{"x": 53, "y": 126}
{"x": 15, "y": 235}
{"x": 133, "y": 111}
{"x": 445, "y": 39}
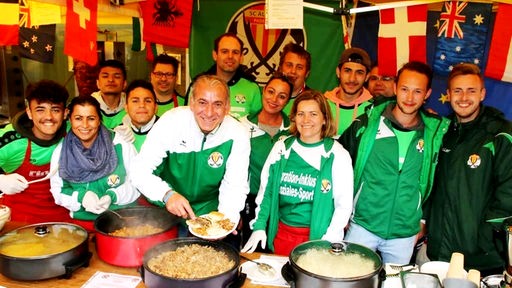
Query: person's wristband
{"x": 167, "y": 196}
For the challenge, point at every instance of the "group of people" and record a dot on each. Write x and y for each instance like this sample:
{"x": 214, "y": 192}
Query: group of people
{"x": 363, "y": 162}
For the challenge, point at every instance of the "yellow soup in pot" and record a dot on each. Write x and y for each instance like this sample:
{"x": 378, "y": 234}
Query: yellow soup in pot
{"x": 25, "y": 243}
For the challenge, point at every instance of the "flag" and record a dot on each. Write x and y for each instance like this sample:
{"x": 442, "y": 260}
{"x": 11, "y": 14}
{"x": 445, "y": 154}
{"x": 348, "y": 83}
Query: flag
{"x": 499, "y": 62}
{"x": 81, "y": 29}
{"x": 108, "y": 50}
{"x": 9, "y": 20}
{"x": 402, "y": 37}
{"x": 43, "y": 13}
{"x": 38, "y": 42}
{"x": 366, "y": 30}
{"x": 462, "y": 32}
{"x": 167, "y": 22}
{"x": 137, "y": 43}
{"x": 153, "y": 50}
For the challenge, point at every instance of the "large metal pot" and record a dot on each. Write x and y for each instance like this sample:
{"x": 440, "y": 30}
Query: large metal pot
{"x": 44, "y": 250}
{"x": 297, "y": 276}
{"x": 128, "y": 251}
{"x": 230, "y": 278}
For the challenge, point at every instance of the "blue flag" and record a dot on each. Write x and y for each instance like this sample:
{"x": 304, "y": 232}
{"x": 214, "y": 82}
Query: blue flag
{"x": 462, "y": 33}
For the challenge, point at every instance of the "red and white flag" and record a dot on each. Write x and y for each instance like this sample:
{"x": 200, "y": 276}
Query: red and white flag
{"x": 499, "y": 62}
{"x": 9, "y": 22}
{"x": 167, "y": 22}
{"x": 81, "y": 29}
{"x": 402, "y": 37}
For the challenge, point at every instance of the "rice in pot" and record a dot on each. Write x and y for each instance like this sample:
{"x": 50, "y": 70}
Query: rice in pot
{"x": 191, "y": 262}
{"x": 345, "y": 265}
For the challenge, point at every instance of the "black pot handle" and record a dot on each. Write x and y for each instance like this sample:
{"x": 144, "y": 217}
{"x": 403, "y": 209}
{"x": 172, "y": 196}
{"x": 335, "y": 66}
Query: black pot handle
{"x": 288, "y": 274}
{"x": 382, "y": 276}
{"x": 238, "y": 281}
{"x": 141, "y": 271}
{"x": 73, "y": 265}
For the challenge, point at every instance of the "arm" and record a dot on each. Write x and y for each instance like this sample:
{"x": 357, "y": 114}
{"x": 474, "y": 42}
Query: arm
{"x": 125, "y": 193}
{"x": 62, "y": 192}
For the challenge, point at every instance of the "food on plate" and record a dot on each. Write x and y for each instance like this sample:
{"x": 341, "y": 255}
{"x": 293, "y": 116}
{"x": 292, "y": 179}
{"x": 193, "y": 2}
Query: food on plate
{"x": 211, "y": 224}
{"x": 191, "y": 262}
{"x": 136, "y": 231}
{"x": 346, "y": 265}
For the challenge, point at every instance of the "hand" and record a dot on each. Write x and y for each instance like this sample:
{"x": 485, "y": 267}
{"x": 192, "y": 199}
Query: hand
{"x": 12, "y": 183}
{"x": 105, "y": 202}
{"x": 257, "y": 236}
{"x": 91, "y": 203}
{"x": 179, "y": 206}
{"x": 125, "y": 132}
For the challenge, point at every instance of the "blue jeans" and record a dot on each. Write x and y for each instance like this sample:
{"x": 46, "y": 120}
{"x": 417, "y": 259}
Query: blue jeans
{"x": 396, "y": 251}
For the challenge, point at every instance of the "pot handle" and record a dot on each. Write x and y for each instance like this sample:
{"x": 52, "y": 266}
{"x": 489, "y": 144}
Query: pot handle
{"x": 288, "y": 274}
{"x": 238, "y": 281}
{"x": 72, "y": 266}
{"x": 141, "y": 271}
{"x": 382, "y": 276}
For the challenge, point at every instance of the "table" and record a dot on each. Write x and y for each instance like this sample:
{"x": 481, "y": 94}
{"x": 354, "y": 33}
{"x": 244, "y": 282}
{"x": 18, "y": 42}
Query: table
{"x": 80, "y": 276}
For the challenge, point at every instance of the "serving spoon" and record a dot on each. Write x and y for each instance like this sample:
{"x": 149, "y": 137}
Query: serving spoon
{"x": 264, "y": 268}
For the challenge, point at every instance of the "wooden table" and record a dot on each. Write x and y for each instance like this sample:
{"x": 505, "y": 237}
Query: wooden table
{"x": 80, "y": 276}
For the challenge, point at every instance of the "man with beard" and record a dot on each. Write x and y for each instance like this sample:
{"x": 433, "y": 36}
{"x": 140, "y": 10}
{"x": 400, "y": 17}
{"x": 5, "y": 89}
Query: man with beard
{"x": 394, "y": 148}
{"x": 245, "y": 94}
{"x": 350, "y": 98}
{"x": 163, "y": 77}
{"x": 295, "y": 63}
{"x": 111, "y": 82}
{"x": 473, "y": 184}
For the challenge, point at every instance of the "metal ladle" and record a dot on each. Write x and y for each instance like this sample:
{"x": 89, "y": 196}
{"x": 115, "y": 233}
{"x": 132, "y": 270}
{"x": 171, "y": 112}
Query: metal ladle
{"x": 121, "y": 216}
{"x": 264, "y": 268}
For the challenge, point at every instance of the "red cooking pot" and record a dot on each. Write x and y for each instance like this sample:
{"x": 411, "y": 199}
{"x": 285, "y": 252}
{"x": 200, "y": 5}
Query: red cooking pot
{"x": 129, "y": 251}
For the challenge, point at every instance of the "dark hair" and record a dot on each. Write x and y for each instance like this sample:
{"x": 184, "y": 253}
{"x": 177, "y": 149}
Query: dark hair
{"x": 115, "y": 64}
{"x": 165, "y": 59}
{"x": 329, "y": 128}
{"x": 419, "y": 67}
{"x": 296, "y": 49}
{"x": 140, "y": 83}
{"x": 465, "y": 69}
{"x": 227, "y": 34}
{"x": 47, "y": 91}
{"x": 282, "y": 77}
{"x": 85, "y": 100}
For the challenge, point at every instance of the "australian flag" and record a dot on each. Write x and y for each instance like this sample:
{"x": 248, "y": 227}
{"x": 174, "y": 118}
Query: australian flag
{"x": 461, "y": 36}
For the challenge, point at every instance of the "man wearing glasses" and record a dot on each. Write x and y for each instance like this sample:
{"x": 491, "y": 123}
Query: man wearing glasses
{"x": 380, "y": 85}
{"x": 163, "y": 77}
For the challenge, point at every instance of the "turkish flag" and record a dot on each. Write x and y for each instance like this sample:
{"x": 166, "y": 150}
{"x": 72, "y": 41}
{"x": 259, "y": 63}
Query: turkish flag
{"x": 499, "y": 63}
{"x": 167, "y": 22}
{"x": 402, "y": 37}
{"x": 81, "y": 29}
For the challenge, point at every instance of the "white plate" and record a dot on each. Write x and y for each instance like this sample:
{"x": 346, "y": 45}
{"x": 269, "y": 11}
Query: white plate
{"x": 253, "y": 273}
{"x": 211, "y": 237}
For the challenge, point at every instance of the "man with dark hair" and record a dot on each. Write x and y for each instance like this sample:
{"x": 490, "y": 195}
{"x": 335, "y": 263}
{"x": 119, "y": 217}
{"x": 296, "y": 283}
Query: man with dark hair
{"x": 164, "y": 71}
{"x": 26, "y": 147}
{"x": 295, "y": 63}
{"x": 380, "y": 85}
{"x": 111, "y": 82}
{"x": 394, "y": 148}
{"x": 245, "y": 95}
{"x": 473, "y": 184}
{"x": 350, "y": 98}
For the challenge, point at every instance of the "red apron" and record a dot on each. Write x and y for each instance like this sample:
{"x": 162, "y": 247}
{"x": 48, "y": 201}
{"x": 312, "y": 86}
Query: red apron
{"x": 35, "y": 204}
{"x": 289, "y": 237}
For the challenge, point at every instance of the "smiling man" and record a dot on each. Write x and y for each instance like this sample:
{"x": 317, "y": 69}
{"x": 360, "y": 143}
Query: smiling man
{"x": 26, "y": 147}
{"x": 201, "y": 163}
{"x": 163, "y": 77}
{"x": 394, "y": 148}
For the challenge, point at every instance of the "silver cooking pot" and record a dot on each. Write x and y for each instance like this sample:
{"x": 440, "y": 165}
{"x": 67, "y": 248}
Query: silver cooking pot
{"x": 298, "y": 276}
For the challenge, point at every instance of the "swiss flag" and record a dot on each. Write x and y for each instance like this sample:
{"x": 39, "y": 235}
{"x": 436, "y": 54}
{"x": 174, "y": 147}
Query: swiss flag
{"x": 81, "y": 29}
{"x": 499, "y": 63}
{"x": 167, "y": 22}
{"x": 402, "y": 37}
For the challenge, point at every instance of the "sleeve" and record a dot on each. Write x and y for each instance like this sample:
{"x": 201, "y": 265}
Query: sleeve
{"x": 62, "y": 192}
{"x": 342, "y": 193}
{"x": 234, "y": 186}
{"x": 256, "y": 104}
{"x": 151, "y": 155}
{"x": 125, "y": 193}
{"x": 351, "y": 136}
{"x": 264, "y": 197}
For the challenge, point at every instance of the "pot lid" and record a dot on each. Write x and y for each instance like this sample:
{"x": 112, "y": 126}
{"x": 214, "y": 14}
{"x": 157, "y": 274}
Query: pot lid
{"x": 43, "y": 239}
{"x": 349, "y": 260}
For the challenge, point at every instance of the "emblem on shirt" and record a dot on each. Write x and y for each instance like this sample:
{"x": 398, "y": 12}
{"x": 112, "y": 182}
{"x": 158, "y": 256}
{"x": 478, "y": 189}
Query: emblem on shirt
{"x": 113, "y": 180}
{"x": 215, "y": 160}
{"x": 420, "y": 146}
{"x": 326, "y": 186}
{"x": 240, "y": 98}
{"x": 474, "y": 161}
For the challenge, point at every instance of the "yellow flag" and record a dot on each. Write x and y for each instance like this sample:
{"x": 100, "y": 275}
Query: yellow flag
{"x": 44, "y": 13}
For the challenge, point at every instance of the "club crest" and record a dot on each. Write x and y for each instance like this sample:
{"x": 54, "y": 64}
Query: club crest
{"x": 326, "y": 186}
{"x": 215, "y": 160}
{"x": 474, "y": 161}
{"x": 113, "y": 180}
{"x": 420, "y": 146}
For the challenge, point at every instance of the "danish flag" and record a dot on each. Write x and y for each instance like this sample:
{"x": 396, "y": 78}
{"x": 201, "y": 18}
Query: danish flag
{"x": 451, "y": 18}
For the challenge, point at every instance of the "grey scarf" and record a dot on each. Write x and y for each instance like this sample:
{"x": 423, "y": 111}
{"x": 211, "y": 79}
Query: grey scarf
{"x": 78, "y": 164}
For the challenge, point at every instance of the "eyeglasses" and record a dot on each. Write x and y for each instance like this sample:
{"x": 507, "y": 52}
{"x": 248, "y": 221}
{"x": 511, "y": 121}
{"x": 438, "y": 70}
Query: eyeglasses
{"x": 381, "y": 78}
{"x": 162, "y": 74}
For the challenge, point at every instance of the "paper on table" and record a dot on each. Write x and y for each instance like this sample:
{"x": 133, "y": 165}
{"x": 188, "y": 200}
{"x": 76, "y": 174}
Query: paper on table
{"x": 112, "y": 280}
{"x": 280, "y": 280}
